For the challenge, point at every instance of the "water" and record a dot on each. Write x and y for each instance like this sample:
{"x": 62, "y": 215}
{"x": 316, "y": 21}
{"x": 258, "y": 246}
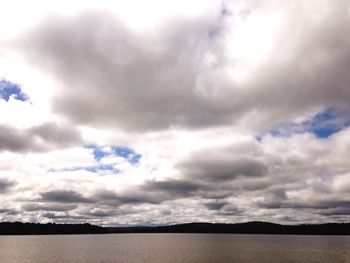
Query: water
{"x": 175, "y": 248}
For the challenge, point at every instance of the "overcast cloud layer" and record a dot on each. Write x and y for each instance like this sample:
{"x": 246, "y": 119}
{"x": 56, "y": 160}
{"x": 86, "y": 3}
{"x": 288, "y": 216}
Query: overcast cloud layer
{"x": 160, "y": 113}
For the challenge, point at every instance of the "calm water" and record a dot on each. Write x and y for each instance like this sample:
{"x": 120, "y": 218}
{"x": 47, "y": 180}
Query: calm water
{"x": 174, "y": 248}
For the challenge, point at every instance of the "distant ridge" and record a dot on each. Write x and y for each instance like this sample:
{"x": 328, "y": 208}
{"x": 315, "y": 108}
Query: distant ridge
{"x": 243, "y": 228}
{"x": 18, "y": 228}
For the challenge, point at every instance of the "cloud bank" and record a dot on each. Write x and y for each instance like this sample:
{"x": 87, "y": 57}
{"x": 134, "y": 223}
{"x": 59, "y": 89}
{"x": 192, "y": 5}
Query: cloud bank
{"x": 221, "y": 111}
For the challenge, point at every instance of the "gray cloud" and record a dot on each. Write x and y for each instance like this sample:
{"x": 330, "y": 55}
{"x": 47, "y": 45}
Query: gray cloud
{"x": 204, "y": 186}
{"x": 165, "y": 78}
{"x": 64, "y": 196}
{"x": 179, "y": 188}
{"x": 5, "y": 185}
{"x": 37, "y": 138}
{"x": 315, "y": 203}
{"x": 66, "y": 217}
{"x": 154, "y": 75}
{"x": 215, "y": 205}
{"x": 8, "y": 211}
{"x": 48, "y": 207}
{"x": 259, "y": 186}
{"x": 55, "y": 134}
{"x": 109, "y": 76}
{"x": 338, "y": 211}
{"x": 102, "y": 213}
{"x": 11, "y": 139}
{"x": 329, "y": 205}
{"x": 135, "y": 197}
{"x": 231, "y": 210}
{"x": 222, "y": 167}
{"x": 151, "y": 192}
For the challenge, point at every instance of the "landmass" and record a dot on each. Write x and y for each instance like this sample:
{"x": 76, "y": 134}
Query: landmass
{"x": 19, "y": 228}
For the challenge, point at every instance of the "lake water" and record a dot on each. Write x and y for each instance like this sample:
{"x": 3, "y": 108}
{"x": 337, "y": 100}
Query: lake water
{"x": 165, "y": 248}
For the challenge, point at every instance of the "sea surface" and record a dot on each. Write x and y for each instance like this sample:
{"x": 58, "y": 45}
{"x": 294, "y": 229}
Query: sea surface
{"x": 165, "y": 248}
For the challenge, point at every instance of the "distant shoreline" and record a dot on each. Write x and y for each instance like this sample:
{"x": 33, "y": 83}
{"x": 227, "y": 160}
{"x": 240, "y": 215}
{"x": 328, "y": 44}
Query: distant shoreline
{"x": 19, "y": 228}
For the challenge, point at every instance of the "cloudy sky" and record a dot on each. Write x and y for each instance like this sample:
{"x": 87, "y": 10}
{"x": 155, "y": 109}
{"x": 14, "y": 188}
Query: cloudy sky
{"x": 160, "y": 112}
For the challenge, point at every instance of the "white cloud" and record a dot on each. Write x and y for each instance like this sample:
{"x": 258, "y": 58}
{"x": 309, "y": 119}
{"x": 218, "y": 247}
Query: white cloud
{"x": 188, "y": 85}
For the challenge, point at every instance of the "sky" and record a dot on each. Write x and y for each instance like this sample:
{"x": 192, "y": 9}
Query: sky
{"x": 161, "y": 112}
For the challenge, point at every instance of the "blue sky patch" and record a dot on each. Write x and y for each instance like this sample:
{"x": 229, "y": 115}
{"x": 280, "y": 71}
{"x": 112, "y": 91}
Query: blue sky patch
{"x": 97, "y": 152}
{"x": 100, "y": 152}
{"x": 328, "y": 122}
{"x": 128, "y": 154}
{"x": 322, "y": 125}
{"x": 9, "y": 89}
{"x": 93, "y": 169}
{"x": 97, "y": 168}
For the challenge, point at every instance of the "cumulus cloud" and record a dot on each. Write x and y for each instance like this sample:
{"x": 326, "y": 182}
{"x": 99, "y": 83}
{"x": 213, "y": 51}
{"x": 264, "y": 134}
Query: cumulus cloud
{"x": 222, "y": 111}
{"x": 152, "y": 74}
{"x": 8, "y": 211}
{"x": 215, "y": 205}
{"x": 64, "y": 196}
{"x": 185, "y": 75}
{"x": 51, "y": 207}
{"x": 223, "y": 169}
{"x": 37, "y": 138}
{"x": 5, "y": 185}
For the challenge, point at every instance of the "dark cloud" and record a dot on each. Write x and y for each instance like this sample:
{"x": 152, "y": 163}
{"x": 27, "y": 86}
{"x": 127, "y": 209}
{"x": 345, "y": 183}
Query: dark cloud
{"x": 176, "y": 77}
{"x": 256, "y": 184}
{"x": 224, "y": 208}
{"x": 5, "y": 185}
{"x": 338, "y": 211}
{"x": 48, "y": 207}
{"x": 110, "y": 212}
{"x": 138, "y": 199}
{"x": 276, "y": 204}
{"x": 38, "y": 138}
{"x": 66, "y": 217}
{"x": 94, "y": 51}
{"x": 151, "y": 192}
{"x": 52, "y": 133}
{"x": 222, "y": 168}
{"x": 14, "y": 140}
{"x": 9, "y": 211}
{"x": 316, "y": 203}
{"x": 327, "y": 206}
{"x": 178, "y": 188}
{"x": 231, "y": 210}
{"x": 215, "y": 205}
{"x": 158, "y": 192}
{"x": 156, "y": 81}
{"x": 133, "y": 197}
{"x": 64, "y": 196}
{"x": 102, "y": 213}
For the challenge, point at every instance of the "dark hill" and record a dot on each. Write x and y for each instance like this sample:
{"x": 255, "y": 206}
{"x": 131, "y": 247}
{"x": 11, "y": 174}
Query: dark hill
{"x": 18, "y": 228}
{"x": 242, "y": 228}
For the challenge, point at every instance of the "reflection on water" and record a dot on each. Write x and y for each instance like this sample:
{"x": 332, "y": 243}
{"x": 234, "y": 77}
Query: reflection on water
{"x": 165, "y": 248}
